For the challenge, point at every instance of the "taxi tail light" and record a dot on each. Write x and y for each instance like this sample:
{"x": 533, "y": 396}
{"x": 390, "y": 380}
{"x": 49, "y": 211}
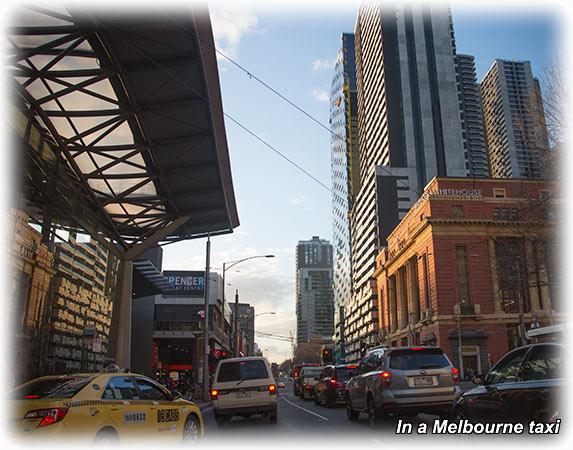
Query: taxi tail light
{"x": 272, "y": 389}
{"x": 49, "y": 416}
{"x": 455, "y": 375}
{"x": 214, "y": 394}
{"x": 385, "y": 378}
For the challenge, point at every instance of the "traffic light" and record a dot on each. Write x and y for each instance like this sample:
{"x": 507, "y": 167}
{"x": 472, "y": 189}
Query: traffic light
{"x": 219, "y": 354}
{"x": 327, "y": 356}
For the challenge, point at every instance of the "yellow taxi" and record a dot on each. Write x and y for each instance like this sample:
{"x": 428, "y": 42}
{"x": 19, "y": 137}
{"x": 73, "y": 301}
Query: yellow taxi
{"x": 102, "y": 408}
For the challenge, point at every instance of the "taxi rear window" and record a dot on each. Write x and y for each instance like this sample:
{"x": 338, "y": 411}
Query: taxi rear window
{"x": 51, "y": 388}
{"x": 243, "y": 370}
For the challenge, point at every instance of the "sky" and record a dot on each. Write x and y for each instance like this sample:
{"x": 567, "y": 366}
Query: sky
{"x": 292, "y": 49}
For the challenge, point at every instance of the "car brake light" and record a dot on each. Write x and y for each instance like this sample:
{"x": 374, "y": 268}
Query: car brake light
{"x": 335, "y": 382}
{"x": 214, "y": 394}
{"x": 418, "y": 348}
{"x": 385, "y": 378}
{"x": 455, "y": 375}
{"x": 49, "y": 416}
{"x": 272, "y": 389}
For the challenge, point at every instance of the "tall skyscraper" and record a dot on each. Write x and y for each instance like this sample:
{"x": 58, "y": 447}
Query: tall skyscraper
{"x": 345, "y": 177}
{"x": 514, "y": 120}
{"x": 473, "y": 130}
{"x": 409, "y": 131}
{"x": 314, "y": 296}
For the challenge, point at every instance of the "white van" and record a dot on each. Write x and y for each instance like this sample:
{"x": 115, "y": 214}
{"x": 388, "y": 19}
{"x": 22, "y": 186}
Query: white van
{"x": 243, "y": 387}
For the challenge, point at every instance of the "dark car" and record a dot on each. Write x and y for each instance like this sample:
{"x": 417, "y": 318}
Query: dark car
{"x": 523, "y": 386}
{"x": 296, "y": 376}
{"x": 402, "y": 380}
{"x": 329, "y": 389}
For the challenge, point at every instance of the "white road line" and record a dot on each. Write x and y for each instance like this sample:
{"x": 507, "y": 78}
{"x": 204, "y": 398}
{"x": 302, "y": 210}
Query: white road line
{"x": 304, "y": 409}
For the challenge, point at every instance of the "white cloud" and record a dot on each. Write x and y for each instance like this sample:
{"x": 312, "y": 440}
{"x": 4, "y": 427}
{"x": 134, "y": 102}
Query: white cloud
{"x": 322, "y": 64}
{"x": 303, "y": 201}
{"x": 231, "y": 24}
{"x": 320, "y": 95}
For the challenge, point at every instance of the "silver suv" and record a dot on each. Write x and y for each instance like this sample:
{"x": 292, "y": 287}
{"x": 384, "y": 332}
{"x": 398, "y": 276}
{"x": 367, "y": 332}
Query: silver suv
{"x": 405, "y": 380}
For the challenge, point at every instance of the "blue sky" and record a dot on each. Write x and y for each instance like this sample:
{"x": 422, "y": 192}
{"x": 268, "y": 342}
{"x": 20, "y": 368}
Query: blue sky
{"x": 292, "y": 49}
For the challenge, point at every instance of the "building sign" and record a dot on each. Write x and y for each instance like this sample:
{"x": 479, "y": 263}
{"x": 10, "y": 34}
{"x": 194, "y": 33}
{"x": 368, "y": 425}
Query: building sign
{"x": 447, "y": 192}
{"x": 187, "y": 282}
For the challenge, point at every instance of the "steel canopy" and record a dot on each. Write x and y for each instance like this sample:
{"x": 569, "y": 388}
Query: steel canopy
{"x": 121, "y": 120}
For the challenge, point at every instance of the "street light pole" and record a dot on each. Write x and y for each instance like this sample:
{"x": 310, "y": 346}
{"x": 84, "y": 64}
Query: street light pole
{"x": 460, "y": 343}
{"x": 236, "y": 330}
{"x": 206, "y": 386}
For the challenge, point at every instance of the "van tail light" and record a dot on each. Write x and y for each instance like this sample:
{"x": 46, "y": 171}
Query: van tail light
{"x": 455, "y": 375}
{"x": 272, "y": 389}
{"x": 385, "y": 378}
{"x": 49, "y": 416}
{"x": 214, "y": 394}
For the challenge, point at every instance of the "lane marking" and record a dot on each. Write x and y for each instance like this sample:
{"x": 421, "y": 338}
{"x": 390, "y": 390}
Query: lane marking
{"x": 304, "y": 409}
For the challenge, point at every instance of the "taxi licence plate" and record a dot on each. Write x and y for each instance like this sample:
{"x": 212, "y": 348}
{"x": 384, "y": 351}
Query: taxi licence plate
{"x": 243, "y": 394}
{"x": 423, "y": 381}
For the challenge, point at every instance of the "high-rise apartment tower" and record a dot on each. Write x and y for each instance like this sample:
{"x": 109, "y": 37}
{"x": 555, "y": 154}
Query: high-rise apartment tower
{"x": 514, "y": 120}
{"x": 409, "y": 131}
{"x": 473, "y": 131}
{"x": 314, "y": 296}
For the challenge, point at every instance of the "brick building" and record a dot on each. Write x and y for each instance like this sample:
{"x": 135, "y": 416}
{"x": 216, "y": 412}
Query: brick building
{"x": 470, "y": 268}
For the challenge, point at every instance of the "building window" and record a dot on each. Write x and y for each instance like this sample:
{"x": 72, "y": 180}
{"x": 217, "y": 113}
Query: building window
{"x": 496, "y": 213}
{"x": 463, "y": 278}
{"x": 544, "y": 195}
{"x": 499, "y": 193}
{"x": 508, "y": 255}
{"x": 457, "y": 211}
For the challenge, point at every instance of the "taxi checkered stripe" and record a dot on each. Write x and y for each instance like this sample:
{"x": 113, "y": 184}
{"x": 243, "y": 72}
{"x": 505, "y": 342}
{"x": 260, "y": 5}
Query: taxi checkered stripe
{"x": 79, "y": 403}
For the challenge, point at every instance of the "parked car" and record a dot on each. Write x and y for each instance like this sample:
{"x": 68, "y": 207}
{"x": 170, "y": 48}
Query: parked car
{"x": 243, "y": 387}
{"x": 102, "y": 408}
{"x": 524, "y": 385}
{"x": 308, "y": 377}
{"x": 405, "y": 380}
{"x": 331, "y": 384}
{"x": 296, "y": 375}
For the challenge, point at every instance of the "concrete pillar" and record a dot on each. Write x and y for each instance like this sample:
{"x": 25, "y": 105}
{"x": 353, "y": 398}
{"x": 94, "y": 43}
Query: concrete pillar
{"x": 494, "y": 276}
{"x": 393, "y": 304}
{"x": 123, "y": 335}
{"x": 413, "y": 292}
{"x": 402, "y": 299}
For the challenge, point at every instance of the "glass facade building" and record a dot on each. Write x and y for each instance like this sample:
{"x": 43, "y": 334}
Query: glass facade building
{"x": 345, "y": 178}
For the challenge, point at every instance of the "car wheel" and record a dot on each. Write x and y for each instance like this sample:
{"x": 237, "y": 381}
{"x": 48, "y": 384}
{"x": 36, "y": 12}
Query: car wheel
{"x": 273, "y": 417}
{"x": 106, "y": 438}
{"x": 373, "y": 414}
{"x": 458, "y": 415}
{"x": 316, "y": 400}
{"x": 351, "y": 414}
{"x": 191, "y": 430}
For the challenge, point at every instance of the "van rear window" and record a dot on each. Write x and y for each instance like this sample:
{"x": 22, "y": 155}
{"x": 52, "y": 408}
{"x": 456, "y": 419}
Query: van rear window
{"x": 418, "y": 359}
{"x": 242, "y": 370}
